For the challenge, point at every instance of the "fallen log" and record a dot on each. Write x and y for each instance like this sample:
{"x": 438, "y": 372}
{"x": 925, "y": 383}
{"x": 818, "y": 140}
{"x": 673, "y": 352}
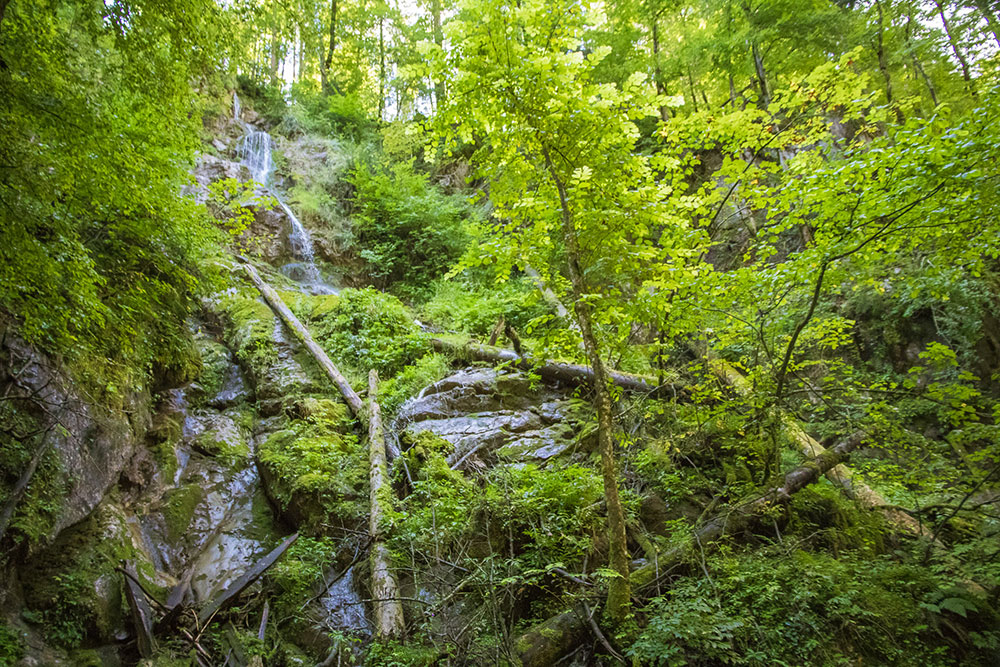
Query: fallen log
{"x": 840, "y": 475}
{"x": 385, "y": 589}
{"x": 229, "y": 595}
{"x": 288, "y": 317}
{"x": 558, "y": 372}
{"x": 546, "y": 642}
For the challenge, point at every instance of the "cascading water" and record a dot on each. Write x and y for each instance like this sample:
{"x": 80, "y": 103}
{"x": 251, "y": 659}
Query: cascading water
{"x": 255, "y": 152}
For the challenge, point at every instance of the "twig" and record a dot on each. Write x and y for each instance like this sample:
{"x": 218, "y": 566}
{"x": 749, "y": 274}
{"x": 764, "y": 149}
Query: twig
{"x": 600, "y": 635}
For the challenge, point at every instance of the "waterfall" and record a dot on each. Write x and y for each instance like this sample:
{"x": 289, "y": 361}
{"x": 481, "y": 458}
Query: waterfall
{"x": 236, "y": 106}
{"x": 255, "y": 152}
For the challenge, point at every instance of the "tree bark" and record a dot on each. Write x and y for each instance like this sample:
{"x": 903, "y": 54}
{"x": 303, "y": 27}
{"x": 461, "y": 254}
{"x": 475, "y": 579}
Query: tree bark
{"x": 274, "y": 59}
{"x": 278, "y": 306}
{"x": 381, "y": 69}
{"x": 619, "y": 588}
{"x": 385, "y": 589}
{"x": 657, "y": 73}
{"x": 883, "y": 62}
{"x": 327, "y": 60}
{"x": 966, "y": 72}
{"x": 439, "y": 90}
{"x": 758, "y": 64}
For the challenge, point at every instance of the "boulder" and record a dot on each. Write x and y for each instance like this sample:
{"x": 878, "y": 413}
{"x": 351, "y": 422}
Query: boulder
{"x": 92, "y": 442}
{"x": 480, "y": 411}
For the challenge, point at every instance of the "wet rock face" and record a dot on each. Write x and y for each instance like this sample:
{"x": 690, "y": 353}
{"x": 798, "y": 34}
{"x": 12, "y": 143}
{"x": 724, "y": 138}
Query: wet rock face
{"x": 210, "y": 169}
{"x": 92, "y": 443}
{"x": 482, "y": 412}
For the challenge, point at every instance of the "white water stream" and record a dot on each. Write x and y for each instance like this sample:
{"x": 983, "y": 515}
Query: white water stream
{"x": 255, "y": 151}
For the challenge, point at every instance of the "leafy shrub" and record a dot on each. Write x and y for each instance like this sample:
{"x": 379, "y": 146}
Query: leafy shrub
{"x": 553, "y": 511}
{"x": 409, "y": 232}
{"x": 425, "y": 371}
{"x": 369, "y": 329}
{"x": 472, "y": 307}
{"x": 295, "y": 574}
{"x": 802, "y": 608}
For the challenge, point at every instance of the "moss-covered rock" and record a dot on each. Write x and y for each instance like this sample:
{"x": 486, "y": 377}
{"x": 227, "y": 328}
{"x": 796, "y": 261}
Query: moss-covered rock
{"x": 225, "y": 436}
{"x": 250, "y": 332}
{"x": 73, "y": 589}
{"x": 179, "y": 507}
{"x": 215, "y": 363}
{"x": 315, "y": 469}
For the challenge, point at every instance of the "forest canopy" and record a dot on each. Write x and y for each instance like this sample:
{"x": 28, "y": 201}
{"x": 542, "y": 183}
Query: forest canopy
{"x": 750, "y": 249}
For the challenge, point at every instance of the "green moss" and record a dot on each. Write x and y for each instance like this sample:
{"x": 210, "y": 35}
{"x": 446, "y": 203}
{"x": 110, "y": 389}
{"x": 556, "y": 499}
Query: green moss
{"x": 163, "y": 437}
{"x": 73, "y": 589}
{"x": 422, "y": 444}
{"x": 251, "y": 331}
{"x": 228, "y": 444}
{"x": 179, "y": 508}
{"x": 214, "y": 367}
{"x": 315, "y": 472}
{"x": 324, "y": 413}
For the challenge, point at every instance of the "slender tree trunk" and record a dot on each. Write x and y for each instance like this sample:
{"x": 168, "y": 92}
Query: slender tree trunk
{"x": 326, "y": 61}
{"x": 966, "y": 72}
{"x": 657, "y": 73}
{"x": 385, "y": 589}
{"x": 984, "y": 9}
{"x": 883, "y": 63}
{"x": 274, "y": 60}
{"x": 439, "y": 90}
{"x": 694, "y": 95}
{"x": 381, "y": 69}
{"x": 758, "y": 65}
{"x": 619, "y": 588}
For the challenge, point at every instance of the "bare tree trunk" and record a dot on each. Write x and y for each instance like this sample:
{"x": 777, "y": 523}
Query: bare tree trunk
{"x": 758, "y": 64}
{"x": 883, "y": 63}
{"x": 385, "y": 589}
{"x": 439, "y": 90}
{"x": 274, "y": 300}
{"x": 916, "y": 62}
{"x": 657, "y": 73}
{"x": 274, "y": 59}
{"x": 966, "y": 72}
{"x": 381, "y": 69}
{"x": 619, "y": 588}
{"x": 326, "y": 61}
